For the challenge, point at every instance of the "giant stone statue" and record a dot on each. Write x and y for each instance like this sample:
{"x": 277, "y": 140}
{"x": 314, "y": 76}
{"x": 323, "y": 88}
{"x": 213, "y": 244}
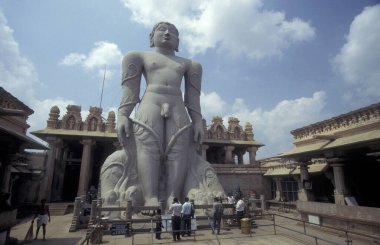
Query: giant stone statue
{"x": 159, "y": 160}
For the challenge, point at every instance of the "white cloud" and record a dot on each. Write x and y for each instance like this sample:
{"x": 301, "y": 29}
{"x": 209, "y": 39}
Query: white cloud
{"x": 359, "y": 59}
{"x": 73, "y": 59}
{"x": 103, "y": 54}
{"x": 233, "y": 27}
{"x": 273, "y": 127}
{"x": 17, "y": 73}
{"x": 211, "y": 104}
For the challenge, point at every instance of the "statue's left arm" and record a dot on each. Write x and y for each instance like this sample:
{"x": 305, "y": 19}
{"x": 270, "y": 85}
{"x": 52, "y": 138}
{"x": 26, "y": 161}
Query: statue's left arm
{"x": 193, "y": 80}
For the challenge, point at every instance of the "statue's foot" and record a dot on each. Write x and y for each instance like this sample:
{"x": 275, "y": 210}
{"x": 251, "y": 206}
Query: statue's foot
{"x": 151, "y": 202}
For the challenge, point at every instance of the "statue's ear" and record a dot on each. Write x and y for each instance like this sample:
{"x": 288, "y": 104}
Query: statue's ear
{"x": 176, "y": 48}
{"x": 151, "y": 40}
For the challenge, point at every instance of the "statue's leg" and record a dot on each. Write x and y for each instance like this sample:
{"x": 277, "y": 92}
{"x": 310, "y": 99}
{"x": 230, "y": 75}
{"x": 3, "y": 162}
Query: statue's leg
{"x": 177, "y": 166}
{"x": 148, "y": 162}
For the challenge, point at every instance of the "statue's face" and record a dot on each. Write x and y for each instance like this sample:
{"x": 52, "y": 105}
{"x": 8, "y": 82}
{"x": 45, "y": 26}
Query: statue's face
{"x": 165, "y": 36}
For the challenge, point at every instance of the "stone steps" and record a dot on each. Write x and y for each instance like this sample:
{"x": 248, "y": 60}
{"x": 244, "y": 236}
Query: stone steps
{"x": 59, "y": 209}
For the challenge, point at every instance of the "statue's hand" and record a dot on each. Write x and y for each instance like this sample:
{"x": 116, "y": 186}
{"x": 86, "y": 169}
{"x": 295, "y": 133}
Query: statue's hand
{"x": 198, "y": 132}
{"x": 123, "y": 128}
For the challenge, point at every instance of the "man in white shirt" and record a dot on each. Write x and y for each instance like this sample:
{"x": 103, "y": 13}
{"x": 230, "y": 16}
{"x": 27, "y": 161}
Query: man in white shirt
{"x": 175, "y": 209}
{"x": 240, "y": 207}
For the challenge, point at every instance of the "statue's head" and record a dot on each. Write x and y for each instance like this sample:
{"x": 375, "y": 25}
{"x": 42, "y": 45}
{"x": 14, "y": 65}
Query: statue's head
{"x": 165, "y": 26}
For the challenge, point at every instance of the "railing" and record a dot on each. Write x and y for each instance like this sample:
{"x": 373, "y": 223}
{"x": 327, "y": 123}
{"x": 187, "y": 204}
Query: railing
{"x": 97, "y": 232}
{"x": 348, "y": 234}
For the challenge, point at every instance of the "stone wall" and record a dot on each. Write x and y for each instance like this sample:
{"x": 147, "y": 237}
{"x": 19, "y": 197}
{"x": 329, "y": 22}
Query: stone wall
{"x": 356, "y": 218}
{"x": 249, "y": 179}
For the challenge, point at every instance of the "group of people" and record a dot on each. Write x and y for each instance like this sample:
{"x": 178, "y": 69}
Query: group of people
{"x": 181, "y": 214}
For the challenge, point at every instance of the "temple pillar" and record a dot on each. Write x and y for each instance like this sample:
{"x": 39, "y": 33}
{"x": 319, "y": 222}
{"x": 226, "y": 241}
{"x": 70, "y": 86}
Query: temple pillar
{"x": 204, "y": 152}
{"x": 228, "y": 150}
{"x": 298, "y": 179}
{"x": 240, "y": 157}
{"x": 55, "y": 147}
{"x": 340, "y": 187}
{"x": 62, "y": 174}
{"x": 278, "y": 193}
{"x": 86, "y": 166}
{"x": 304, "y": 193}
{"x": 6, "y": 179}
{"x": 59, "y": 173}
{"x": 252, "y": 154}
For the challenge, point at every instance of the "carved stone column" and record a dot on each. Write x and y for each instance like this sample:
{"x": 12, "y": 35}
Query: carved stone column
{"x": 6, "y": 179}
{"x": 86, "y": 166}
{"x": 278, "y": 188}
{"x": 59, "y": 173}
{"x": 229, "y": 150}
{"x": 340, "y": 187}
{"x": 240, "y": 157}
{"x": 304, "y": 193}
{"x": 55, "y": 145}
{"x": 252, "y": 154}
{"x": 62, "y": 174}
{"x": 204, "y": 152}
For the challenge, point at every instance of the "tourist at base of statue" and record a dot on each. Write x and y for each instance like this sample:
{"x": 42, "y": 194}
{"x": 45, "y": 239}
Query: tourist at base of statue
{"x": 186, "y": 217}
{"x": 217, "y": 213}
{"x": 159, "y": 225}
{"x": 240, "y": 207}
{"x": 175, "y": 209}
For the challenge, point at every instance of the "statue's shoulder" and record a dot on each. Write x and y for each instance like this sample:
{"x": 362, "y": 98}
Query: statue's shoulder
{"x": 192, "y": 64}
{"x": 134, "y": 54}
{"x": 195, "y": 65}
{"x": 134, "y": 57}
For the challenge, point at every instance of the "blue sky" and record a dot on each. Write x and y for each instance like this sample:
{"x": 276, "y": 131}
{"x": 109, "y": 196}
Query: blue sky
{"x": 277, "y": 64}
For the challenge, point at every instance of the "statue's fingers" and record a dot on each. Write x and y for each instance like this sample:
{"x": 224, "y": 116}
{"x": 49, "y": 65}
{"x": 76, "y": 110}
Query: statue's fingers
{"x": 126, "y": 130}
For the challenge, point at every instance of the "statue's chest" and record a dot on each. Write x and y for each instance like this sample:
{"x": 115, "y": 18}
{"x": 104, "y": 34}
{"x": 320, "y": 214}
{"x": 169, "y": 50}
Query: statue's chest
{"x": 165, "y": 65}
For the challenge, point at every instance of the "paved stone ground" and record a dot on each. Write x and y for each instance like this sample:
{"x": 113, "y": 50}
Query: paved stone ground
{"x": 58, "y": 234}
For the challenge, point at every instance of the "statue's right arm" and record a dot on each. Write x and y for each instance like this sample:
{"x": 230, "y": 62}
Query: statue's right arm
{"x": 132, "y": 67}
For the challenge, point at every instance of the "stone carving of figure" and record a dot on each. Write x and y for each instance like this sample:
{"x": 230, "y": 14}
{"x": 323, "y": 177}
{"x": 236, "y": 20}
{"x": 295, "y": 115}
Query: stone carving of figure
{"x": 71, "y": 123}
{"x": 159, "y": 160}
{"x": 93, "y": 123}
